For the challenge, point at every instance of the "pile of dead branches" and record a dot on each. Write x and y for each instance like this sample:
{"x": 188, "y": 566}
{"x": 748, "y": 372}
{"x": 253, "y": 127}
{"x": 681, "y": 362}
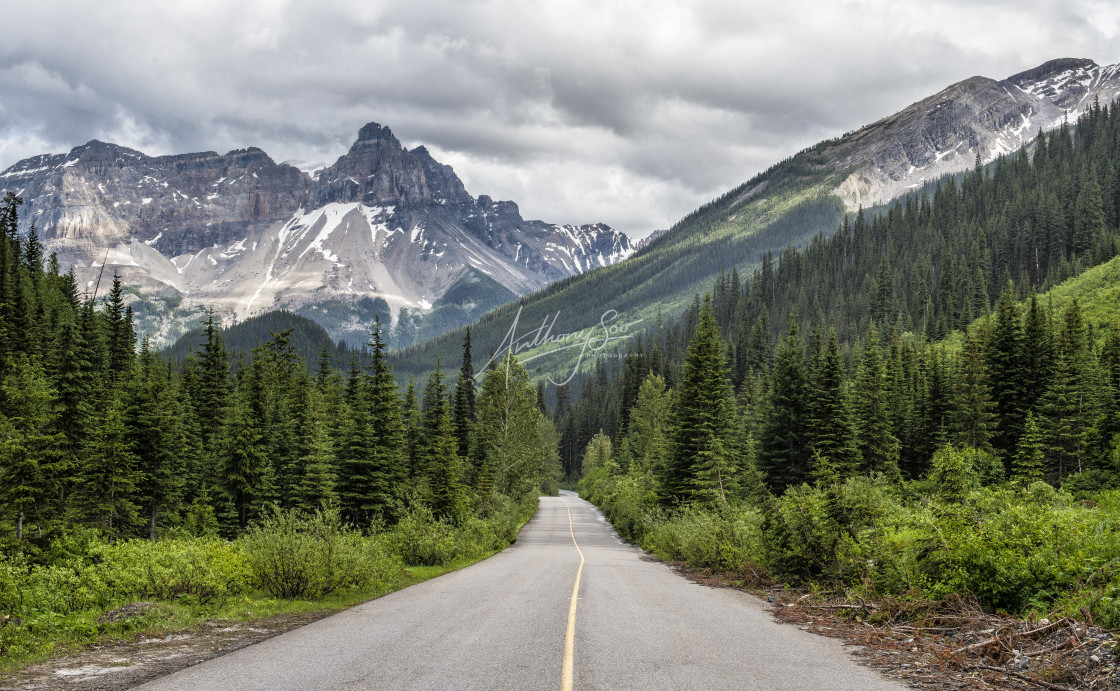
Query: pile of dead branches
{"x": 953, "y": 643}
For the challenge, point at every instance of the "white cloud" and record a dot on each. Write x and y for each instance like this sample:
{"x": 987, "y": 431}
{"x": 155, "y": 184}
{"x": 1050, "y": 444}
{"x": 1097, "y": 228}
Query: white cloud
{"x": 629, "y": 112}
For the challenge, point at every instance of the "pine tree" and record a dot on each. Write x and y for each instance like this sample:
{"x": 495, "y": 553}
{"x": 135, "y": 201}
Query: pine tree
{"x": 107, "y": 480}
{"x": 1067, "y": 409}
{"x": 28, "y": 445}
{"x": 355, "y": 454}
{"x": 213, "y": 381}
{"x": 444, "y": 471}
{"x": 245, "y": 472}
{"x": 1007, "y": 370}
{"x": 830, "y": 431}
{"x": 464, "y": 398}
{"x": 435, "y": 403}
{"x": 152, "y": 417}
{"x": 387, "y": 432}
{"x": 316, "y": 489}
{"x": 648, "y": 431}
{"x": 701, "y": 461}
{"x": 410, "y": 418}
{"x": 122, "y": 338}
{"x": 877, "y": 444}
{"x": 1088, "y": 220}
{"x": 974, "y": 419}
{"x": 507, "y": 433}
{"x": 783, "y": 454}
{"x": 1028, "y": 465}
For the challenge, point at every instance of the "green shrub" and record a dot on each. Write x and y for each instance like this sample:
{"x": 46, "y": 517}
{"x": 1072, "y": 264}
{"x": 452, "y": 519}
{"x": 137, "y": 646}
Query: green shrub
{"x": 295, "y": 555}
{"x": 205, "y": 570}
{"x": 421, "y": 540}
{"x": 1012, "y": 554}
{"x": 722, "y": 540}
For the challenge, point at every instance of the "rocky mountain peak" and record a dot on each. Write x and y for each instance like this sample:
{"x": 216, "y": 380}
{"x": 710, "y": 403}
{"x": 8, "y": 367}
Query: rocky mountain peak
{"x": 372, "y": 132}
{"x": 1050, "y": 68}
{"x": 974, "y": 118}
{"x": 243, "y": 233}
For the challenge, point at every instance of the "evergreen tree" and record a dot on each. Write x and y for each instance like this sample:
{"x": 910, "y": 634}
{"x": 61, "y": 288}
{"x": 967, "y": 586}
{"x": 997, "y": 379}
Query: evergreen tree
{"x": 245, "y": 471}
{"x": 28, "y": 445}
{"x": 830, "y": 430}
{"x": 510, "y": 454}
{"x": 877, "y": 444}
{"x": 975, "y": 411}
{"x": 387, "y": 433}
{"x": 648, "y": 430}
{"x": 464, "y": 398}
{"x": 783, "y": 454}
{"x": 1007, "y": 370}
{"x": 1028, "y": 465}
{"x": 152, "y": 417}
{"x": 122, "y": 338}
{"x": 107, "y": 479}
{"x": 701, "y": 460}
{"x": 213, "y": 381}
{"x": 410, "y": 418}
{"x": 444, "y": 471}
{"x": 316, "y": 490}
{"x": 1067, "y": 408}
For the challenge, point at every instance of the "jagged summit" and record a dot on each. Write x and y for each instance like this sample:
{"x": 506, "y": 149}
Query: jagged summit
{"x": 375, "y": 132}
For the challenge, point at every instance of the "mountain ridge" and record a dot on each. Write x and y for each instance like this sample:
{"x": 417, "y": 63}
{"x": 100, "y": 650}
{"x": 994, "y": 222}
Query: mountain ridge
{"x": 244, "y": 234}
{"x": 791, "y": 203}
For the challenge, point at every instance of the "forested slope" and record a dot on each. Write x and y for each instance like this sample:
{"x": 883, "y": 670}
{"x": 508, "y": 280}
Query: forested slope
{"x": 871, "y": 449}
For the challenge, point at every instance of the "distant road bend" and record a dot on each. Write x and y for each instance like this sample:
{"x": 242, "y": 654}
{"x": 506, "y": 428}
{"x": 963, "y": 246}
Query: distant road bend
{"x": 569, "y": 605}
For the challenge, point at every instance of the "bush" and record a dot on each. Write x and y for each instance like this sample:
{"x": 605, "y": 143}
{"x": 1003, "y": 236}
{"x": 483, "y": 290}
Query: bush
{"x": 1012, "y": 554}
{"x": 295, "y": 555}
{"x": 206, "y": 570}
{"x": 421, "y": 540}
{"x": 723, "y": 540}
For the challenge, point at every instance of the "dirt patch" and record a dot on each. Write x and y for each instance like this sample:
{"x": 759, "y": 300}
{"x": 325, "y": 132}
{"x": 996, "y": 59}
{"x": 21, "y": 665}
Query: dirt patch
{"x": 120, "y": 664}
{"x": 950, "y": 644}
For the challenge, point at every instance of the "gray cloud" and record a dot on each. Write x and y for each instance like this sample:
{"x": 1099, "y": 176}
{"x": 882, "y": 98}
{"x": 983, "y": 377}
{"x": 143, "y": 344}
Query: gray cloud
{"x": 629, "y": 112}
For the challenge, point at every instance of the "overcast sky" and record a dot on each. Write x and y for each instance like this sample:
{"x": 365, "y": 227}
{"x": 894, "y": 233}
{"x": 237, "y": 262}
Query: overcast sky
{"x": 629, "y": 113}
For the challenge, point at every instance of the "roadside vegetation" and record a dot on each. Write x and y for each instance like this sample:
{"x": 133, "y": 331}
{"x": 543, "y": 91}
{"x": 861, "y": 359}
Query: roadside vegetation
{"x": 89, "y": 589}
{"x": 917, "y": 425}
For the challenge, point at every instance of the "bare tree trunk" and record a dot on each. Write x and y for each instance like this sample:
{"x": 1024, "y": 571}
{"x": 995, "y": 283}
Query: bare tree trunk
{"x": 19, "y": 526}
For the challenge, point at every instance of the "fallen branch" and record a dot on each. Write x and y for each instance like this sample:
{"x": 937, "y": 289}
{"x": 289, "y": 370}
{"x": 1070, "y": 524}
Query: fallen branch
{"x": 982, "y": 644}
{"x": 871, "y": 606}
{"x": 1024, "y": 677}
{"x": 1043, "y": 629}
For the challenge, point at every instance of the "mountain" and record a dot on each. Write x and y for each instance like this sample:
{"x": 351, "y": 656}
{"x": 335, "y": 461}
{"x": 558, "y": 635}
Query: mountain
{"x": 793, "y": 202}
{"x": 383, "y": 229}
{"x": 978, "y": 117}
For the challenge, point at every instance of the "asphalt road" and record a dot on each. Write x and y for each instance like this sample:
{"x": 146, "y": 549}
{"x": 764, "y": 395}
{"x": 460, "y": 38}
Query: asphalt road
{"x": 502, "y": 624}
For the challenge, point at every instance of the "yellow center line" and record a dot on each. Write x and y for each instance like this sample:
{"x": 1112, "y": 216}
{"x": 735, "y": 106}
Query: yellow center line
{"x": 567, "y": 677}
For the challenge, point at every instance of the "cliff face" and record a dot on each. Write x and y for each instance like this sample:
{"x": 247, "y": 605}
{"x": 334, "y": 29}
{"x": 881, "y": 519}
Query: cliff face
{"x": 981, "y": 117}
{"x": 244, "y": 233}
